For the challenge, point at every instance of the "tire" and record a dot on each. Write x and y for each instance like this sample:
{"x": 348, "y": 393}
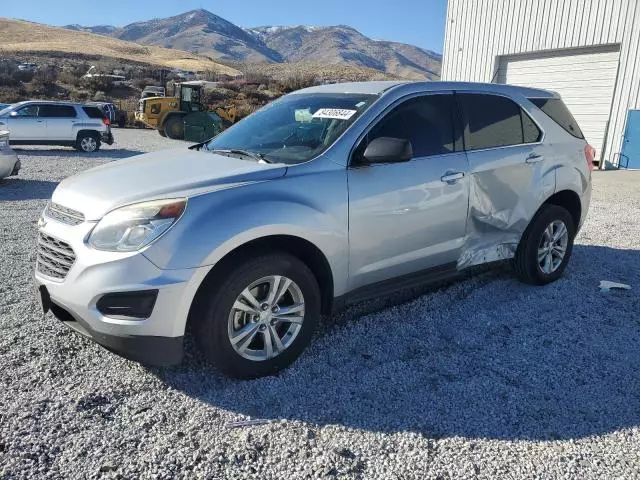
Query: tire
{"x": 87, "y": 142}
{"x": 531, "y": 264}
{"x": 174, "y": 128}
{"x": 216, "y": 320}
{"x": 162, "y": 133}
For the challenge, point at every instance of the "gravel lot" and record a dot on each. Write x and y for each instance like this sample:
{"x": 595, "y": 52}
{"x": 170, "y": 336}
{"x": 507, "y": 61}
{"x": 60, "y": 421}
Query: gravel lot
{"x": 486, "y": 378}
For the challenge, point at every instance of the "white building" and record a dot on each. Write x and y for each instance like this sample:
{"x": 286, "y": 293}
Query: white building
{"x": 586, "y": 50}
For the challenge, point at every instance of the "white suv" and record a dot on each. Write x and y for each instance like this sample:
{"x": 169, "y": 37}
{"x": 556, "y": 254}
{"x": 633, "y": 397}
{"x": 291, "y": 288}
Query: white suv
{"x": 57, "y": 123}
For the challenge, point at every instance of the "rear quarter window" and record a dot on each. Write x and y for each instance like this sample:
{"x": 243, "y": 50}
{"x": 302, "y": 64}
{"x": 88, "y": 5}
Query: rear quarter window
{"x": 555, "y": 109}
{"x": 93, "y": 112}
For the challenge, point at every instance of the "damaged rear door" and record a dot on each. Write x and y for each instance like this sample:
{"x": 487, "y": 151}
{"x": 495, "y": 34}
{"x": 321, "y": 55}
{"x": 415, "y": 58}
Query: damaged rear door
{"x": 507, "y": 175}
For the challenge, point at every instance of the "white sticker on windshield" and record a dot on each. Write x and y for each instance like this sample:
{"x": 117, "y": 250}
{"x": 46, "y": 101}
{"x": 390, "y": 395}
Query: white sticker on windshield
{"x": 337, "y": 113}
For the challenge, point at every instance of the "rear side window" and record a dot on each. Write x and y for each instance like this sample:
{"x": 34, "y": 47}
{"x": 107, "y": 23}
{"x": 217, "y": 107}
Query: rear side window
{"x": 496, "y": 121}
{"x": 427, "y": 122}
{"x": 559, "y": 113}
{"x": 93, "y": 112}
{"x": 57, "y": 111}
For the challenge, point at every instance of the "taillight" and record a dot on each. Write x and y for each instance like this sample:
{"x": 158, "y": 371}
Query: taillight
{"x": 106, "y": 121}
{"x": 590, "y": 155}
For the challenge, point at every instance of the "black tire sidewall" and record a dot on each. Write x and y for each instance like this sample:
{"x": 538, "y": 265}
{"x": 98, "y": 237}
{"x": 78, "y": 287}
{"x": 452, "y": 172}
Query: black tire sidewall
{"x": 213, "y": 332}
{"x": 168, "y": 130}
{"x": 531, "y": 241}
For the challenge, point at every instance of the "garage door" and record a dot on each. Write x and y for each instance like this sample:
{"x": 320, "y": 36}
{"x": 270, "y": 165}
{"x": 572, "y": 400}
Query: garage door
{"x": 584, "y": 78}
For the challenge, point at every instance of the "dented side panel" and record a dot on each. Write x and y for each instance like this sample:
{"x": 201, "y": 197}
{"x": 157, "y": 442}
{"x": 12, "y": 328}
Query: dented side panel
{"x": 505, "y": 192}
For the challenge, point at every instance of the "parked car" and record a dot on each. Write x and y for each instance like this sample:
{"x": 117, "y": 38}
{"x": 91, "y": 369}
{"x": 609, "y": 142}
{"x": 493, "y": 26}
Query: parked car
{"x": 28, "y": 67}
{"x": 9, "y": 161}
{"x": 327, "y": 196}
{"x": 57, "y": 123}
{"x": 113, "y": 113}
{"x": 151, "y": 92}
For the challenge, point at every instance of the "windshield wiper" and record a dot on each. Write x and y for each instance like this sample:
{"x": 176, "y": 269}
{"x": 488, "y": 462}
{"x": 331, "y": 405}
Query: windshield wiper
{"x": 246, "y": 153}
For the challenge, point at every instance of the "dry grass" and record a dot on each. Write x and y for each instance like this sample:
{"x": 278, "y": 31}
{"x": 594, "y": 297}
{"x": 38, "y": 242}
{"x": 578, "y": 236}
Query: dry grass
{"x": 19, "y": 36}
{"x": 322, "y": 72}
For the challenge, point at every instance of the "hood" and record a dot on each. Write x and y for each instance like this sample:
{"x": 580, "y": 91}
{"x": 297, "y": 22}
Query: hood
{"x": 158, "y": 175}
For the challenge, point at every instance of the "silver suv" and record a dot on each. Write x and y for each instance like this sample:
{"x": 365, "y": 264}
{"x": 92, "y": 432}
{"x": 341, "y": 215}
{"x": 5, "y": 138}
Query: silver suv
{"x": 57, "y": 123}
{"x": 325, "y": 197}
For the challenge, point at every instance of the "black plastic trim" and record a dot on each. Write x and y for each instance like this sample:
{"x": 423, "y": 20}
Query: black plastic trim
{"x": 149, "y": 350}
{"x": 128, "y": 304}
{"x": 444, "y": 272}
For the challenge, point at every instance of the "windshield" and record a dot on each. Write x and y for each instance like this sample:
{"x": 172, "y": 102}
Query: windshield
{"x": 295, "y": 128}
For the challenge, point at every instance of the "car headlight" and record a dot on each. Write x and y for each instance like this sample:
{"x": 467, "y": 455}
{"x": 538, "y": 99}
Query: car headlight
{"x": 130, "y": 228}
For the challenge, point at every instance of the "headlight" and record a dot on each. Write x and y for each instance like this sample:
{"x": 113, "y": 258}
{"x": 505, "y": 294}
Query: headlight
{"x": 133, "y": 227}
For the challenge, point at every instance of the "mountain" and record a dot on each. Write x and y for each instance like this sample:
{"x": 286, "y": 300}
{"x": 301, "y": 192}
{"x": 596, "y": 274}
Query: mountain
{"x": 25, "y": 38}
{"x": 343, "y": 44}
{"x": 205, "y": 33}
{"x": 198, "y": 31}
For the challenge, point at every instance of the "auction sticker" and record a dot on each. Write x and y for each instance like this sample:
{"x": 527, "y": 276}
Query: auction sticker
{"x": 337, "y": 113}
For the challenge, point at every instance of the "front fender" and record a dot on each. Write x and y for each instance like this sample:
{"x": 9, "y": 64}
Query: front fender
{"x": 313, "y": 208}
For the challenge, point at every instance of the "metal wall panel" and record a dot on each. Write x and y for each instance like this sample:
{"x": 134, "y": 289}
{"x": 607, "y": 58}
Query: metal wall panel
{"x": 479, "y": 32}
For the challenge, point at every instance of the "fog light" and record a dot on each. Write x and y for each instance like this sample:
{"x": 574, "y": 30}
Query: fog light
{"x": 128, "y": 304}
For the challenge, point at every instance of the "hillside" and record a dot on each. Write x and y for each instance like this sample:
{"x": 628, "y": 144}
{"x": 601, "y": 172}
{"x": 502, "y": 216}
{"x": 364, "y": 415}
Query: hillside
{"x": 17, "y": 36}
{"x": 343, "y": 44}
{"x": 205, "y": 33}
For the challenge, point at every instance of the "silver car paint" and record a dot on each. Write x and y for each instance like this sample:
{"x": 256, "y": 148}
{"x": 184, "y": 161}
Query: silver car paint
{"x": 8, "y": 157}
{"x": 347, "y": 213}
{"x": 26, "y": 129}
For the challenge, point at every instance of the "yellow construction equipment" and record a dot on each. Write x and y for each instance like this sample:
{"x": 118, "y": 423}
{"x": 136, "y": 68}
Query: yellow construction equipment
{"x": 169, "y": 115}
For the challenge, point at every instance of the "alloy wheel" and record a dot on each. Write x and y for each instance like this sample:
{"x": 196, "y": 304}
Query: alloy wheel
{"x": 266, "y": 318}
{"x": 88, "y": 144}
{"x": 553, "y": 247}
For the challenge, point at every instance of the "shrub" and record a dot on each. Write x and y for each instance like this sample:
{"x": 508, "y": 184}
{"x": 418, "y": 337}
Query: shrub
{"x": 296, "y": 81}
{"x": 103, "y": 84}
{"x": 8, "y": 81}
{"x": 46, "y": 75}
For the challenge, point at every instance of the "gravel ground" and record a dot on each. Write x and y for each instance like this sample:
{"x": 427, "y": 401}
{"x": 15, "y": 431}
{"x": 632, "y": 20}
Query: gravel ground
{"x": 485, "y": 378}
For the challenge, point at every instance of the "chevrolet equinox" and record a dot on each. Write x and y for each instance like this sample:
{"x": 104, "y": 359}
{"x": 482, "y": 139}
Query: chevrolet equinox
{"x": 327, "y": 196}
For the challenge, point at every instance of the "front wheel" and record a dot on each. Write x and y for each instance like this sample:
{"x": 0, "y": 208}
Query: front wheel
{"x": 546, "y": 246}
{"x": 174, "y": 128}
{"x": 260, "y": 318}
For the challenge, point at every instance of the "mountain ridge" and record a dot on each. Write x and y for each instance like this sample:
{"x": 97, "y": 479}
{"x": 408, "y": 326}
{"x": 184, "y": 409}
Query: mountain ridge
{"x": 205, "y": 33}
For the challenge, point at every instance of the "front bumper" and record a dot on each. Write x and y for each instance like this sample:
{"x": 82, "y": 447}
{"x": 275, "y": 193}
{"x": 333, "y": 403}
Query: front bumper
{"x": 155, "y": 340}
{"x": 150, "y": 350}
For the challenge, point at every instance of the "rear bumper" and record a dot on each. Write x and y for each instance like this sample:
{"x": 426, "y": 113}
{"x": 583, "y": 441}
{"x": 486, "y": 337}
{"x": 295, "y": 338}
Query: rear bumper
{"x": 107, "y": 137}
{"x": 146, "y": 349}
{"x": 9, "y": 163}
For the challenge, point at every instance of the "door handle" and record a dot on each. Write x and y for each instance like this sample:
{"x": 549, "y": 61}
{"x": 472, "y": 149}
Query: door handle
{"x": 451, "y": 178}
{"x": 534, "y": 158}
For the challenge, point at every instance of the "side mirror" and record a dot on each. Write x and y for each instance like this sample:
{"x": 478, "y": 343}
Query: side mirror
{"x": 387, "y": 150}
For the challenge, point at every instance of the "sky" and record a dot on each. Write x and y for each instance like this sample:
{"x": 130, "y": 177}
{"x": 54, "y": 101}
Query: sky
{"x": 418, "y": 22}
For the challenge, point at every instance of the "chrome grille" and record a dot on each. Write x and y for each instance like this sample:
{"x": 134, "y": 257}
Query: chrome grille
{"x": 55, "y": 257}
{"x": 64, "y": 214}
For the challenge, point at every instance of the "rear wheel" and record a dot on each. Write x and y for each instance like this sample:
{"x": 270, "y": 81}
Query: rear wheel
{"x": 162, "y": 132}
{"x": 174, "y": 128}
{"x": 260, "y": 318}
{"x": 88, "y": 142}
{"x": 546, "y": 246}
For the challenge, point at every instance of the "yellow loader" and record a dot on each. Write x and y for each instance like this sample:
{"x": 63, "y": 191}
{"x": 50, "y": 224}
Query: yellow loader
{"x": 169, "y": 115}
